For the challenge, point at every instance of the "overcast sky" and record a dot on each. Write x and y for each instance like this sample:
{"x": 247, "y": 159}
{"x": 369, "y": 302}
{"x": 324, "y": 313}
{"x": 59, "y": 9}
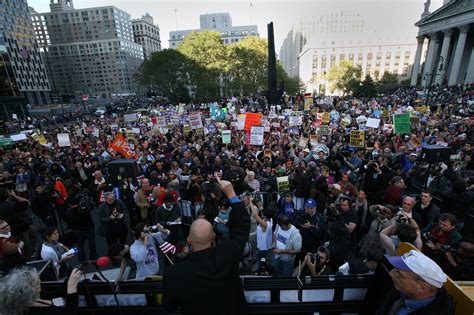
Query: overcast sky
{"x": 391, "y": 18}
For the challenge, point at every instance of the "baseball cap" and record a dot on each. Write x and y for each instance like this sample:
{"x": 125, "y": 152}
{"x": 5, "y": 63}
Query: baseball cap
{"x": 421, "y": 265}
{"x": 310, "y": 203}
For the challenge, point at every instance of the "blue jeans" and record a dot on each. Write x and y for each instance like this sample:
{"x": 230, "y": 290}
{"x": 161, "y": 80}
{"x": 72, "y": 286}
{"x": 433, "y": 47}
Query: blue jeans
{"x": 283, "y": 268}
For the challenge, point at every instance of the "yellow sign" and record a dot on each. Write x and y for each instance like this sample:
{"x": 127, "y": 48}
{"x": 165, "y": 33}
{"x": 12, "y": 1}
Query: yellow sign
{"x": 307, "y": 103}
{"x": 315, "y": 111}
{"x": 326, "y": 117}
{"x": 357, "y": 138}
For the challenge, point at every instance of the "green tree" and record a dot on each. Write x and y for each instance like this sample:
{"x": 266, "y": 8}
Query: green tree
{"x": 166, "y": 72}
{"x": 292, "y": 86}
{"x": 366, "y": 88}
{"x": 388, "y": 83}
{"x": 344, "y": 76}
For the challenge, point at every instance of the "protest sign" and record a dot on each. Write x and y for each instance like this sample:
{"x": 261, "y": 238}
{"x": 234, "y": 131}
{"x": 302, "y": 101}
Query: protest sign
{"x": 325, "y": 117}
{"x": 314, "y": 111}
{"x": 96, "y": 132}
{"x": 295, "y": 120}
{"x": 252, "y": 119}
{"x": 130, "y": 117}
{"x": 357, "y": 138}
{"x": 268, "y": 153}
{"x": 161, "y": 121}
{"x": 130, "y": 134}
{"x": 5, "y": 140}
{"x": 401, "y": 123}
{"x": 186, "y": 129}
{"x": 372, "y": 123}
{"x": 323, "y": 130}
{"x": 308, "y": 102}
{"x": 241, "y": 122}
{"x": 313, "y": 140}
{"x": 18, "y": 137}
{"x": 195, "y": 121}
{"x": 226, "y": 136}
{"x": 120, "y": 145}
{"x": 256, "y": 135}
{"x": 283, "y": 183}
{"x": 63, "y": 140}
{"x": 303, "y": 143}
{"x": 136, "y": 130}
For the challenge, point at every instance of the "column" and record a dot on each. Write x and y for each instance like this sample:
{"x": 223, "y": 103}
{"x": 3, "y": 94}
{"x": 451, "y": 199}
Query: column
{"x": 429, "y": 62}
{"x": 470, "y": 69}
{"x": 453, "y": 76}
{"x": 443, "y": 57}
{"x": 416, "y": 63}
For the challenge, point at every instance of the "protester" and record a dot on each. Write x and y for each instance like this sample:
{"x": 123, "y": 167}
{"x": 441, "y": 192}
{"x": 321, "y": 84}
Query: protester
{"x": 286, "y": 244}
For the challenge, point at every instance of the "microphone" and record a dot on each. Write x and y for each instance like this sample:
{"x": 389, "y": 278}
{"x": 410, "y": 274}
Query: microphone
{"x": 99, "y": 262}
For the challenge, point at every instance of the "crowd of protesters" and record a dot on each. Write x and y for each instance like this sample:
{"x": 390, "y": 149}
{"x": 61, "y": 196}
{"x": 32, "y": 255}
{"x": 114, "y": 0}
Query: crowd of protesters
{"x": 317, "y": 204}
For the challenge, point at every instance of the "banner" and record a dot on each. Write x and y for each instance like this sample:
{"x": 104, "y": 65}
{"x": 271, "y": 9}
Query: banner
{"x": 226, "y": 136}
{"x": 357, "y": 138}
{"x": 256, "y": 135}
{"x": 283, "y": 183}
{"x": 252, "y": 119}
{"x": 120, "y": 145}
{"x": 195, "y": 121}
{"x": 63, "y": 140}
{"x": 401, "y": 123}
{"x": 5, "y": 140}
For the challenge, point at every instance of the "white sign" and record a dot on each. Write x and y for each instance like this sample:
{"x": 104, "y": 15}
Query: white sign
{"x": 18, "y": 137}
{"x": 136, "y": 130}
{"x": 226, "y": 136}
{"x": 256, "y": 135}
{"x": 295, "y": 120}
{"x": 372, "y": 123}
{"x": 241, "y": 122}
{"x": 14, "y": 116}
{"x": 63, "y": 140}
{"x": 130, "y": 117}
{"x": 96, "y": 132}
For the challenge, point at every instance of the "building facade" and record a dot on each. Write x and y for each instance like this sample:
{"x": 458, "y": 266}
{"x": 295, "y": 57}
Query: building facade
{"x": 375, "y": 57}
{"x": 23, "y": 76}
{"x": 333, "y": 25}
{"x": 450, "y": 35}
{"x": 147, "y": 35}
{"x": 88, "y": 51}
{"x": 219, "y": 22}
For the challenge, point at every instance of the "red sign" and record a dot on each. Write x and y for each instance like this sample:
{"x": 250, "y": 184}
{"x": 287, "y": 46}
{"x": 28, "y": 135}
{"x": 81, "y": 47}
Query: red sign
{"x": 252, "y": 119}
{"x": 84, "y": 97}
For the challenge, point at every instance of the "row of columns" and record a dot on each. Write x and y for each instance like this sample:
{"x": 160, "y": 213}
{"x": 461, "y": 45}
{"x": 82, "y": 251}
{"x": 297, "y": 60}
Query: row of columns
{"x": 439, "y": 75}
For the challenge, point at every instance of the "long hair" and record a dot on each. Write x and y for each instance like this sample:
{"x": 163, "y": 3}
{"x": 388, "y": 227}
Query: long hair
{"x": 18, "y": 291}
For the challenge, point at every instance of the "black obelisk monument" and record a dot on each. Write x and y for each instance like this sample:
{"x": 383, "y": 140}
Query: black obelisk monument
{"x": 273, "y": 95}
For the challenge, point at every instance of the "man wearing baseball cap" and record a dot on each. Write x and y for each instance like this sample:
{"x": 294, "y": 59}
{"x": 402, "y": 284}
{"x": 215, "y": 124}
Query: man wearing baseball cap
{"x": 418, "y": 282}
{"x": 313, "y": 228}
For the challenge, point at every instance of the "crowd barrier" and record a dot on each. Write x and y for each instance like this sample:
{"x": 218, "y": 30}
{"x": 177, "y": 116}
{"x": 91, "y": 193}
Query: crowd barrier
{"x": 265, "y": 295}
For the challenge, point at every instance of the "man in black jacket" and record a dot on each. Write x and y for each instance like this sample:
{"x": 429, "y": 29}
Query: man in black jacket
{"x": 418, "y": 283}
{"x": 214, "y": 268}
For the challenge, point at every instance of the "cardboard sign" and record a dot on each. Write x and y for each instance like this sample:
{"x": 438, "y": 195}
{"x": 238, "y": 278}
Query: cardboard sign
{"x": 226, "y": 136}
{"x": 63, "y": 140}
{"x": 357, "y": 138}
{"x": 402, "y": 123}
{"x": 120, "y": 145}
{"x": 256, "y": 135}
{"x": 325, "y": 117}
{"x": 283, "y": 183}
{"x": 372, "y": 123}
{"x": 252, "y": 119}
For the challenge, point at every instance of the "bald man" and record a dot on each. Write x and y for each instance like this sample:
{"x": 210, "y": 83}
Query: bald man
{"x": 207, "y": 281}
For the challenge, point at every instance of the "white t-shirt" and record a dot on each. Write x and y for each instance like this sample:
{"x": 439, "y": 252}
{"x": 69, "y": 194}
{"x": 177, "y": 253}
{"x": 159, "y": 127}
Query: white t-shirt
{"x": 264, "y": 239}
{"x": 47, "y": 253}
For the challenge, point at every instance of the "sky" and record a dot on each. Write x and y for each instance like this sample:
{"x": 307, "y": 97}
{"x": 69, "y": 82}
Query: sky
{"x": 389, "y": 18}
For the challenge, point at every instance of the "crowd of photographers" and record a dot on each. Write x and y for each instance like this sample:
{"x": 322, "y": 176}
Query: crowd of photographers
{"x": 340, "y": 210}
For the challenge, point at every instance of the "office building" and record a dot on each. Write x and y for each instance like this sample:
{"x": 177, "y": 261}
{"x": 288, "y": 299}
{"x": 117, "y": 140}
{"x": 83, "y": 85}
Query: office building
{"x": 88, "y": 51}
{"x": 219, "y": 22}
{"x": 23, "y": 77}
{"x": 147, "y": 35}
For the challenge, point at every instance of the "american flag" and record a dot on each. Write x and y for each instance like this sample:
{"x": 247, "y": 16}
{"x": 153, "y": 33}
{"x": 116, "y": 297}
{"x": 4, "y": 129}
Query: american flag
{"x": 167, "y": 248}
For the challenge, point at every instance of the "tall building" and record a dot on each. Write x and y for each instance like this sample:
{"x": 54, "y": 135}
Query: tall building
{"x": 88, "y": 51}
{"x": 23, "y": 77}
{"x": 219, "y": 22}
{"x": 147, "y": 34}
{"x": 331, "y": 25}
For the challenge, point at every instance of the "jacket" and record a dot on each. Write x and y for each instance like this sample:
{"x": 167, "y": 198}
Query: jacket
{"x": 216, "y": 269}
{"x": 146, "y": 257}
{"x": 442, "y": 304}
{"x": 102, "y": 214}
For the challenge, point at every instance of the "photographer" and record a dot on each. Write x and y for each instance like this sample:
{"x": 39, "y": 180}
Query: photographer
{"x": 461, "y": 263}
{"x": 441, "y": 236}
{"x": 403, "y": 229}
{"x": 316, "y": 264}
{"x": 113, "y": 220}
{"x": 144, "y": 252}
{"x": 371, "y": 240}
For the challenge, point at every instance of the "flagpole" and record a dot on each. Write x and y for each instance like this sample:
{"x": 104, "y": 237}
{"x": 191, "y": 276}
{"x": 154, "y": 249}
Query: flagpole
{"x": 251, "y": 6}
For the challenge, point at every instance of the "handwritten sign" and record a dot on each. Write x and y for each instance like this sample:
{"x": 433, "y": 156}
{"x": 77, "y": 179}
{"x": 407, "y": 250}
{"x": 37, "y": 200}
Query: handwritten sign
{"x": 226, "y": 136}
{"x": 256, "y": 135}
{"x": 402, "y": 123}
{"x": 252, "y": 119}
{"x": 357, "y": 138}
